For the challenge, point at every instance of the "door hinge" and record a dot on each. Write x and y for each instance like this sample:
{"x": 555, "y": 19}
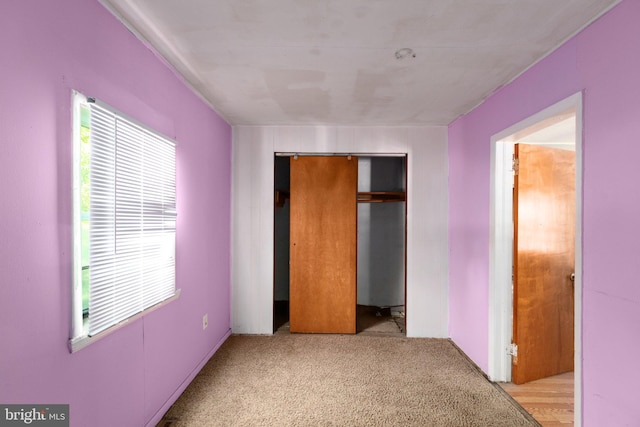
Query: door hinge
{"x": 512, "y": 350}
{"x": 515, "y": 165}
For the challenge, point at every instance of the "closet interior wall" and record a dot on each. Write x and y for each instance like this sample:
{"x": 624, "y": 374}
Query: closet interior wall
{"x": 381, "y": 234}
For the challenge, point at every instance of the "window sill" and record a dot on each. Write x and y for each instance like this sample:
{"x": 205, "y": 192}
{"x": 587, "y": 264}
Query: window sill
{"x": 78, "y": 343}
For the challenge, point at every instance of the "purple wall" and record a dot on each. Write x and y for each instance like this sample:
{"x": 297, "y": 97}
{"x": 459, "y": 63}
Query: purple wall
{"x": 604, "y": 62}
{"x": 130, "y": 377}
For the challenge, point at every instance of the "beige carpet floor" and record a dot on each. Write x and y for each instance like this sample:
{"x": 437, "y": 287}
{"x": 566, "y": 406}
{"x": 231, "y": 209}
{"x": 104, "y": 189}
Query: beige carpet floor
{"x": 337, "y": 380}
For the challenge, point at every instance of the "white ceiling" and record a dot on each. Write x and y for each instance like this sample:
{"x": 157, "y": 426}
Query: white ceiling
{"x": 313, "y": 62}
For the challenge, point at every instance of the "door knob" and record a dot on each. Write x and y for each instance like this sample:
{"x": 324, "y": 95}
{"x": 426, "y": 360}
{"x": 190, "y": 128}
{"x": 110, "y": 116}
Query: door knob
{"x": 573, "y": 277}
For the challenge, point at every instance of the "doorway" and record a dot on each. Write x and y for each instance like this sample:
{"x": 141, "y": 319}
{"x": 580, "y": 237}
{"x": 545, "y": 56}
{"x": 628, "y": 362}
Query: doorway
{"x": 380, "y": 243}
{"x": 558, "y": 126}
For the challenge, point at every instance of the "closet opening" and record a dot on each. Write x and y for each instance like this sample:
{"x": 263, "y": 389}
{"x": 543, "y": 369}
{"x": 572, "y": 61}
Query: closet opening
{"x": 379, "y": 240}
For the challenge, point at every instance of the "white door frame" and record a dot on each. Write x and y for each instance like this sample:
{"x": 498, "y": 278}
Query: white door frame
{"x": 501, "y": 247}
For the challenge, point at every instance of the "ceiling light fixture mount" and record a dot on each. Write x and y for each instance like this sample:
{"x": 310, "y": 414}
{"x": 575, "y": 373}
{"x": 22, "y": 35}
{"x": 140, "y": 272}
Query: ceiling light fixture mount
{"x": 405, "y": 52}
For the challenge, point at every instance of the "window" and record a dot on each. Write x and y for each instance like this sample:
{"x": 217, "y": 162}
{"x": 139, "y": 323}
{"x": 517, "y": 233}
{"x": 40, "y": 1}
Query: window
{"x": 124, "y": 220}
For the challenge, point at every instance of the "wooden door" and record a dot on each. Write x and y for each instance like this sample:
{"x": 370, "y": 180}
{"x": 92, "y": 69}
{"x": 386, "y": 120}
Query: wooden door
{"x": 544, "y": 227}
{"x": 322, "y": 289}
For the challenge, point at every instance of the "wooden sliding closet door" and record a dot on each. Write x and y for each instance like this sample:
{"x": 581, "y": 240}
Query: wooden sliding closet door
{"x": 323, "y": 252}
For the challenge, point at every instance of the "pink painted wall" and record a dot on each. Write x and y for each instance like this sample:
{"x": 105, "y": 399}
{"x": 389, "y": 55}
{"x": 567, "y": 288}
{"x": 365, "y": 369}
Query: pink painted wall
{"x": 604, "y": 62}
{"x": 131, "y": 377}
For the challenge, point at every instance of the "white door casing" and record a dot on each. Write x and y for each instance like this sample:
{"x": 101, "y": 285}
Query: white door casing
{"x": 501, "y": 245}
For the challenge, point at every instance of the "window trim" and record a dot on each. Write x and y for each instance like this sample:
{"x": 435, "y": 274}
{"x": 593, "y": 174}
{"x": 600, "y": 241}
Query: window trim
{"x": 79, "y": 333}
{"x": 80, "y": 342}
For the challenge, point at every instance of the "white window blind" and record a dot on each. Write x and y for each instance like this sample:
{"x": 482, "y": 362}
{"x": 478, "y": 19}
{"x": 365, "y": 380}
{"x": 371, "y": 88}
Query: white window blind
{"x": 132, "y": 219}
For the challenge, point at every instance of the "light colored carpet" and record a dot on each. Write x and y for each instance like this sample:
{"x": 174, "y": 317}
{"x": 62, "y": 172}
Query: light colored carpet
{"x": 337, "y": 380}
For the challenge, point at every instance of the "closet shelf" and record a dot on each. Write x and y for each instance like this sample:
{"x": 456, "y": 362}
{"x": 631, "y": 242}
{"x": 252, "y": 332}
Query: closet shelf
{"x": 381, "y": 196}
{"x": 282, "y": 196}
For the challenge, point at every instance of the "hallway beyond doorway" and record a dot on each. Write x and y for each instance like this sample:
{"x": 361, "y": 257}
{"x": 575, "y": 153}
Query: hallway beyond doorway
{"x": 549, "y": 400}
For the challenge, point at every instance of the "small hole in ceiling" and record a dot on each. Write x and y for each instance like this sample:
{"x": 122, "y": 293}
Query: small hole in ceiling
{"x": 405, "y": 52}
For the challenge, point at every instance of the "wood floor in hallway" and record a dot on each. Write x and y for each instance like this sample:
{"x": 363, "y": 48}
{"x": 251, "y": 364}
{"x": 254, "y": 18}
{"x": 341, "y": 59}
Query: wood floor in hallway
{"x": 549, "y": 400}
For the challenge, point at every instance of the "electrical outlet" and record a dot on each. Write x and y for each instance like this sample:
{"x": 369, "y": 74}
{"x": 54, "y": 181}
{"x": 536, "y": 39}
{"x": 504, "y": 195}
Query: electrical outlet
{"x": 205, "y": 321}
